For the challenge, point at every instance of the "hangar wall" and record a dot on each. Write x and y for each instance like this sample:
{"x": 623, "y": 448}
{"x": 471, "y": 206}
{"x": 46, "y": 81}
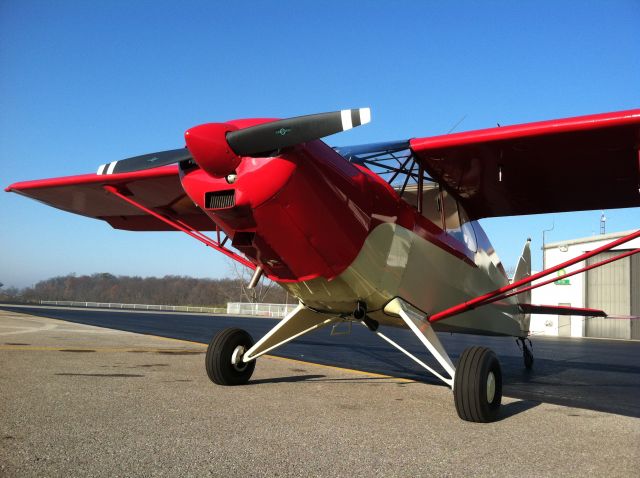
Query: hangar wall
{"x": 614, "y": 288}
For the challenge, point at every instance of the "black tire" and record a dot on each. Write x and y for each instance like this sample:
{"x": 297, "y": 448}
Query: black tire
{"x": 528, "y": 359}
{"x": 218, "y": 363}
{"x": 471, "y": 383}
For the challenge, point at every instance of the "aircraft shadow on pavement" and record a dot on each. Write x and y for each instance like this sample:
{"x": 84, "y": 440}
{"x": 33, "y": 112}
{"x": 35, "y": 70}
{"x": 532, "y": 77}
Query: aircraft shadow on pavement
{"x": 582, "y": 380}
{"x": 291, "y": 379}
{"x": 508, "y": 410}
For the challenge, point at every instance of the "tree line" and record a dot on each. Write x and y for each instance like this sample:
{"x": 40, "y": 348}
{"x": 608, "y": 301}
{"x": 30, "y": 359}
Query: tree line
{"x": 167, "y": 290}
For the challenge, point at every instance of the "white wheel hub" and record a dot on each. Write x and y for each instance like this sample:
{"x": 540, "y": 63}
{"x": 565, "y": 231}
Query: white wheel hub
{"x": 236, "y": 358}
{"x": 491, "y": 387}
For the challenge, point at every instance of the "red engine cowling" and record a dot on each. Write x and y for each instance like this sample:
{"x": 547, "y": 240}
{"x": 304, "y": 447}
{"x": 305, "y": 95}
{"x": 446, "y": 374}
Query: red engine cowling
{"x": 300, "y": 215}
{"x": 208, "y": 145}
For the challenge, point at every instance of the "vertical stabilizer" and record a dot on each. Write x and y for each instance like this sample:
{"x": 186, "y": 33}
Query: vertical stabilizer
{"x": 524, "y": 270}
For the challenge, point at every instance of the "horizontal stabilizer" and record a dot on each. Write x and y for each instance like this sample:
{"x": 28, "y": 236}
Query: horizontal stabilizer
{"x": 561, "y": 310}
{"x": 624, "y": 317}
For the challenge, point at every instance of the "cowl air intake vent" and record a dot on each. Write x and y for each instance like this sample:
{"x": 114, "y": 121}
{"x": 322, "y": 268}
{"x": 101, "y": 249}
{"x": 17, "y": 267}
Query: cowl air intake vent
{"x": 220, "y": 199}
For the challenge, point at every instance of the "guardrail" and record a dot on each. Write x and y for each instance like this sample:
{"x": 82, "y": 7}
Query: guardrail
{"x": 233, "y": 308}
{"x": 263, "y": 310}
{"x": 113, "y": 305}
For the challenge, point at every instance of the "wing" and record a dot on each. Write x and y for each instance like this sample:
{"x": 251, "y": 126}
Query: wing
{"x": 582, "y": 163}
{"x": 158, "y": 189}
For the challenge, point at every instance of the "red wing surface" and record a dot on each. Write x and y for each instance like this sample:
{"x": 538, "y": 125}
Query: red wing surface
{"x": 158, "y": 189}
{"x": 575, "y": 164}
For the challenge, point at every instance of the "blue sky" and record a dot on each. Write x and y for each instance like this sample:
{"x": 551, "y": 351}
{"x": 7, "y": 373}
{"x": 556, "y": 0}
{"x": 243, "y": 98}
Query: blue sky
{"x": 85, "y": 83}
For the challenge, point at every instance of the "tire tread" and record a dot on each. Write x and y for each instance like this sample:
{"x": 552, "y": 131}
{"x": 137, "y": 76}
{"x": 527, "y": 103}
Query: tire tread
{"x": 218, "y": 370}
{"x": 470, "y": 385}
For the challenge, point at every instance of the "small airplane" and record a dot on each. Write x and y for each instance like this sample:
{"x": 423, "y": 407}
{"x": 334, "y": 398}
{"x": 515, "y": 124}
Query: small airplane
{"x": 383, "y": 234}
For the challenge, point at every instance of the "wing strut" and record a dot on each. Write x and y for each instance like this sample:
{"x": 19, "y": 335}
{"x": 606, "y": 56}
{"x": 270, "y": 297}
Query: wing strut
{"x": 182, "y": 226}
{"x": 568, "y": 274}
{"x": 501, "y": 293}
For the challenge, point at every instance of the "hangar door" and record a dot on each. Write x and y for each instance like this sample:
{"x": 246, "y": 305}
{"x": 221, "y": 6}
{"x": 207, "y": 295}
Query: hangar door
{"x": 635, "y": 295}
{"x": 609, "y": 288}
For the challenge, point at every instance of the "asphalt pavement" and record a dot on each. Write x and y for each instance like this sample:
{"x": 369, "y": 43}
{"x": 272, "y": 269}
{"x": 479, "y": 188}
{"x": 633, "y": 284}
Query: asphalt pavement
{"x": 79, "y": 400}
{"x": 594, "y": 374}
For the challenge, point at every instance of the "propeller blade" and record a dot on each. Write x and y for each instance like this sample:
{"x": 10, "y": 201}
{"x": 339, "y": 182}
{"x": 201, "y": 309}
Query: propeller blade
{"x": 145, "y": 161}
{"x": 280, "y": 134}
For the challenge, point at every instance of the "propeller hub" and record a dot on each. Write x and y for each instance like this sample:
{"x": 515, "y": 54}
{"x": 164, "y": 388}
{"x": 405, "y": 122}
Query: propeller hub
{"x": 210, "y": 150}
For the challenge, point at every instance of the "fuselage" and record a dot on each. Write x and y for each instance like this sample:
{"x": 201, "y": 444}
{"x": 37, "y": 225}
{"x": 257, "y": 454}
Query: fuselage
{"x": 334, "y": 233}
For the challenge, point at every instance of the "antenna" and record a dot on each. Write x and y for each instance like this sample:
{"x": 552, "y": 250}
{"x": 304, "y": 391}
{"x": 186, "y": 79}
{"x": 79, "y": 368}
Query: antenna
{"x": 457, "y": 124}
{"x": 603, "y": 221}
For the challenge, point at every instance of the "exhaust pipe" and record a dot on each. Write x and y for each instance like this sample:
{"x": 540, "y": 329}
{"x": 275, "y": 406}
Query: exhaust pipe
{"x": 360, "y": 314}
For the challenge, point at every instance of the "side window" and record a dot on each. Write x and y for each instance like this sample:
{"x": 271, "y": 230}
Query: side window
{"x": 451, "y": 218}
{"x": 468, "y": 233}
{"x": 457, "y": 222}
{"x": 431, "y": 203}
{"x": 430, "y": 200}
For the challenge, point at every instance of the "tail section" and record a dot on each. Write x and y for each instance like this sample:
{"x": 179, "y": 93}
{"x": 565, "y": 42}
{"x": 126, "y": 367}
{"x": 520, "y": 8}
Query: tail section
{"x": 523, "y": 270}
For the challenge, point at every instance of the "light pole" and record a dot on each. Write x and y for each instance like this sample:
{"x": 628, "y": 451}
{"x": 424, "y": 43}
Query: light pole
{"x": 544, "y": 231}
{"x": 603, "y": 220}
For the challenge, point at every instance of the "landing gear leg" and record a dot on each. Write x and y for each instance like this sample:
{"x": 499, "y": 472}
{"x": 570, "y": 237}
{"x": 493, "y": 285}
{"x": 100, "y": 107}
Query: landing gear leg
{"x": 527, "y": 353}
{"x": 477, "y": 380}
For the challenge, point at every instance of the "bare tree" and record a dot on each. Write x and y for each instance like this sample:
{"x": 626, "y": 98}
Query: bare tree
{"x": 243, "y": 275}
{"x": 510, "y": 270}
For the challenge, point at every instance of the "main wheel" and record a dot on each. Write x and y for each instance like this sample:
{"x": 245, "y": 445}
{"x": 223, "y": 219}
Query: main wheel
{"x": 477, "y": 388}
{"x": 224, "y": 358}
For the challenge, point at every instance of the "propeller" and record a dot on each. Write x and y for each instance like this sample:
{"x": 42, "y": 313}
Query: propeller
{"x": 280, "y": 134}
{"x": 217, "y": 148}
{"x": 145, "y": 161}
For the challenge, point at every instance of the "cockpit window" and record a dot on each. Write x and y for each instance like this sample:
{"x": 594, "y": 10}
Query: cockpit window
{"x": 457, "y": 222}
{"x": 394, "y": 161}
{"x": 430, "y": 207}
{"x": 431, "y": 203}
{"x": 451, "y": 217}
{"x": 468, "y": 232}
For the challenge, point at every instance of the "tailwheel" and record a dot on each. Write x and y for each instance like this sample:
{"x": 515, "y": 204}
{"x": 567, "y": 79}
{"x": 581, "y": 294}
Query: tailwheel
{"x": 527, "y": 353}
{"x": 528, "y": 359}
{"x": 478, "y": 385}
{"x": 224, "y": 357}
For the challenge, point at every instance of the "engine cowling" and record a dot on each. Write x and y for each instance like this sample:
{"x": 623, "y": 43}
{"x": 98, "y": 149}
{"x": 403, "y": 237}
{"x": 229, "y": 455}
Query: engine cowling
{"x": 208, "y": 145}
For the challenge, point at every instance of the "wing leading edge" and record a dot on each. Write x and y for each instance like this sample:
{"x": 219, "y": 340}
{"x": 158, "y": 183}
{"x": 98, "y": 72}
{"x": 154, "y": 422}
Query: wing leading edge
{"x": 574, "y": 164}
{"x": 158, "y": 189}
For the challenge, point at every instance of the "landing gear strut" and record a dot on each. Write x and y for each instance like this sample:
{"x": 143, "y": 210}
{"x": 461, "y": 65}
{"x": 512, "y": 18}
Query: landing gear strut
{"x": 476, "y": 382}
{"x": 527, "y": 353}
